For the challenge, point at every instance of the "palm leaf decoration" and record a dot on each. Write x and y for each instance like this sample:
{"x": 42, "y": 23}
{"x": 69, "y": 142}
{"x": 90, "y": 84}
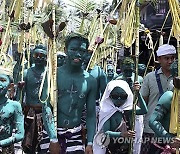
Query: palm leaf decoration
{"x": 58, "y": 11}
{"x": 92, "y": 21}
{"x": 85, "y": 6}
{"x": 83, "y": 10}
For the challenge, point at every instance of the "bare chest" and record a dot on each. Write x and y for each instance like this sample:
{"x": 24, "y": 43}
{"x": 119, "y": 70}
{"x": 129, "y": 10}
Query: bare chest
{"x": 72, "y": 87}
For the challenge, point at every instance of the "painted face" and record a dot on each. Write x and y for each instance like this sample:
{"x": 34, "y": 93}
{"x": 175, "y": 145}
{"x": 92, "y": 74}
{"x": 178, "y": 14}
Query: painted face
{"x": 174, "y": 68}
{"x": 4, "y": 83}
{"x": 60, "y": 60}
{"x": 128, "y": 69}
{"x": 39, "y": 57}
{"x": 118, "y": 96}
{"x": 110, "y": 71}
{"x": 87, "y": 57}
{"x": 76, "y": 52}
{"x": 166, "y": 61}
{"x": 141, "y": 69}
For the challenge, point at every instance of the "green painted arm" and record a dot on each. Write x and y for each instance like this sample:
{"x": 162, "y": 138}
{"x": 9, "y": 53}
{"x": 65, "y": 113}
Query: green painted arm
{"x": 143, "y": 107}
{"x": 161, "y": 110}
{"x": 91, "y": 111}
{"x": 113, "y": 134}
{"x": 106, "y": 129}
{"x": 103, "y": 81}
{"x": 8, "y": 141}
{"x": 48, "y": 121}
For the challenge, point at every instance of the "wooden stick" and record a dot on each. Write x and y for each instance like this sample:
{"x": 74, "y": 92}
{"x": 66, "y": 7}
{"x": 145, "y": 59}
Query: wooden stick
{"x": 178, "y": 126}
{"x": 54, "y": 68}
{"x": 135, "y": 98}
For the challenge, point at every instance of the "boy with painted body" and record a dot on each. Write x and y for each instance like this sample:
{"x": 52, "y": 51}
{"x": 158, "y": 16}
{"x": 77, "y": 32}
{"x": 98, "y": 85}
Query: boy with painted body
{"x": 111, "y": 74}
{"x": 128, "y": 75}
{"x": 11, "y": 116}
{"x": 117, "y": 100}
{"x": 37, "y": 114}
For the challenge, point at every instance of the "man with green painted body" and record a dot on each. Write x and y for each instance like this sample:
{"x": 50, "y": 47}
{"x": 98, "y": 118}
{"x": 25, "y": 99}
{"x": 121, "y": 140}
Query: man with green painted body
{"x": 159, "y": 121}
{"x": 60, "y": 58}
{"x": 37, "y": 115}
{"x": 76, "y": 87}
{"x": 141, "y": 69}
{"x": 11, "y": 116}
{"x": 98, "y": 73}
{"x": 127, "y": 74}
{"x": 111, "y": 74}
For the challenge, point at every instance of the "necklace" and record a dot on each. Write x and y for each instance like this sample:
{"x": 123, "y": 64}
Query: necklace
{"x": 36, "y": 74}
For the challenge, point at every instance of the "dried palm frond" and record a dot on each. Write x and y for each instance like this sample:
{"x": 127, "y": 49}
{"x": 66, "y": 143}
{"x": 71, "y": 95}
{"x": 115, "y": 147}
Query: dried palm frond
{"x": 84, "y": 6}
{"x": 60, "y": 13}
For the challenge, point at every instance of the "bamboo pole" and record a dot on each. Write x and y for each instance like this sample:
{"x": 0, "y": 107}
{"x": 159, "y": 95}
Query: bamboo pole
{"x": 7, "y": 29}
{"x": 54, "y": 68}
{"x": 178, "y": 99}
{"x": 2, "y": 7}
{"x": 174, "y": 9}
{"x": 82, "y": 25}
{"x": 30, "y": 36}
{"x": 135, "y": 96}
{"x": 21, "y": 48}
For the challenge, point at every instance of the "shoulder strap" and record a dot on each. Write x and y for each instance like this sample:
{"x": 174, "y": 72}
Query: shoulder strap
{"x": 159, "y": 83}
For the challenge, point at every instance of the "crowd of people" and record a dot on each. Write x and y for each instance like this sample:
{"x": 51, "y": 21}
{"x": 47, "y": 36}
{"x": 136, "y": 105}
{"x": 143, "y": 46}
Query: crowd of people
{"x": 95, "y": 109}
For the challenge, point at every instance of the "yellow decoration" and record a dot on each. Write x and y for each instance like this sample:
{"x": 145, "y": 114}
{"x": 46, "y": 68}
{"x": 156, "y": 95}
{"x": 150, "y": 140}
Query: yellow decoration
{"x": 147, "y": 31}
{"x": 128, "y": 25}
{"x": 175, "y": 13}
{"x": 6, "y": 64}
{"x": 18, "y": 9}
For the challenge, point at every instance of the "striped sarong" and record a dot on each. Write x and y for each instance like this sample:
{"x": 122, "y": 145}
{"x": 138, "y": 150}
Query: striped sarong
{"x": 69, "y": 139}
{"x": 8, "y": 149}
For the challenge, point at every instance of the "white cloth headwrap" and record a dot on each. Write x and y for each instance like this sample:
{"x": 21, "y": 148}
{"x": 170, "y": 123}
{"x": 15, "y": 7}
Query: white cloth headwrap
{"x": 166, "y": 49}
{"x": 61, "y": 53}
{"x": 107, "y": 108}
{"x": 6, "y": 71}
